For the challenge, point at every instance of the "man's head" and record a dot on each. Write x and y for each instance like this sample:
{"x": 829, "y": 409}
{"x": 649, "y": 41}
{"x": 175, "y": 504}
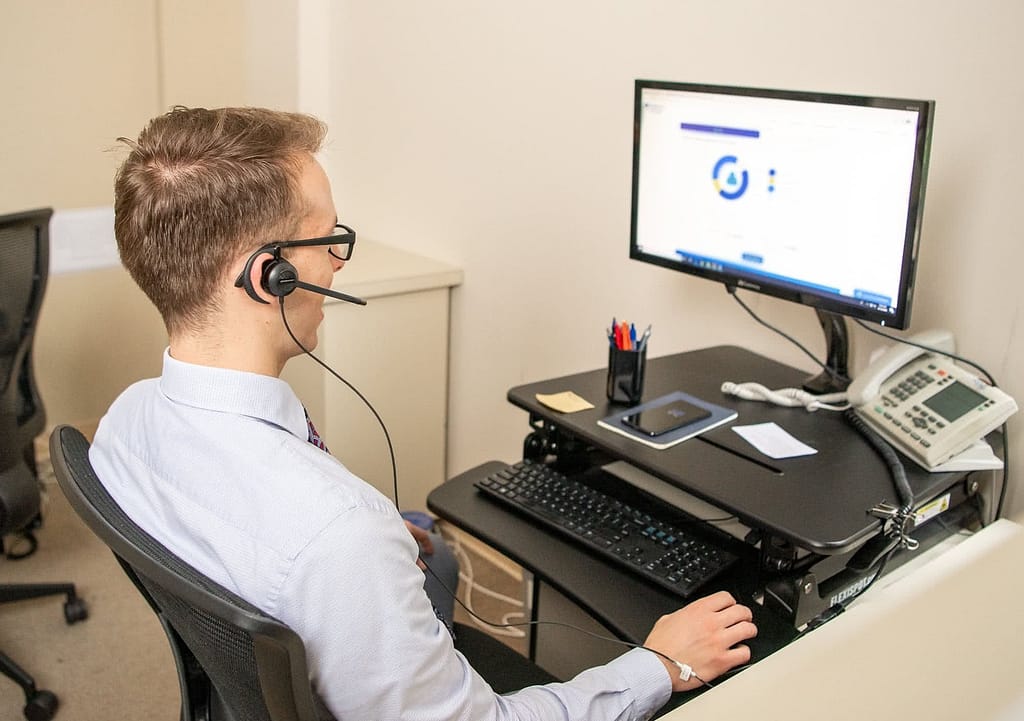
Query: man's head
{"x": 202, "y": 187}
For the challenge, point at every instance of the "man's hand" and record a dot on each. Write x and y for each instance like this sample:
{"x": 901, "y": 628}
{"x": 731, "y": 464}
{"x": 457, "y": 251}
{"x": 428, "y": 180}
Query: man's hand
{"x": 422, "y": 538}
{"x": 706, "y": 635}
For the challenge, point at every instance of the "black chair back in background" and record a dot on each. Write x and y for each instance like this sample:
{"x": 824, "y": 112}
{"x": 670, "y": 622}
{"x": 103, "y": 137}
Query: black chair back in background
{"x": 25, "y": 258}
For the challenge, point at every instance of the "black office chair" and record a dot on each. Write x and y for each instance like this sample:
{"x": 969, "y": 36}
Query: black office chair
{"x": 234, "y": 662}
{"x": 24, "y": 250}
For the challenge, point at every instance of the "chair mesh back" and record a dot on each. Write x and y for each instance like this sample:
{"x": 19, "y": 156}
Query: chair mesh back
{"x": 24, "y": 253}
{"x": 223, "y": 650}
{"x": 224, "y": 643}
{"x": 20, "y": 235}
{"x": 18, "y": 249}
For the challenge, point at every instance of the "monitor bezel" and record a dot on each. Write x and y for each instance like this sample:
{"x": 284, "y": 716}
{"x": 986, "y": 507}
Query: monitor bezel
{"x": 734, "y": 278}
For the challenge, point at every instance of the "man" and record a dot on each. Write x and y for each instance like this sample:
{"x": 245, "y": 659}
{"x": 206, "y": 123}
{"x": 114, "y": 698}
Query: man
{"x": 214, "y": 458}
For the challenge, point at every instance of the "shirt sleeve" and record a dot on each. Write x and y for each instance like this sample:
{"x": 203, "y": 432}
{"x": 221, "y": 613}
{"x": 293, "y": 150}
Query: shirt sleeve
{"x": 377, "y": 650}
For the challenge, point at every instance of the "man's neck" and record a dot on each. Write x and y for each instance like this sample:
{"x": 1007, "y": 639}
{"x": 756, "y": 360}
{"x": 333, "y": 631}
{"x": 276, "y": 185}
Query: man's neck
{"x": 222, "y": 350}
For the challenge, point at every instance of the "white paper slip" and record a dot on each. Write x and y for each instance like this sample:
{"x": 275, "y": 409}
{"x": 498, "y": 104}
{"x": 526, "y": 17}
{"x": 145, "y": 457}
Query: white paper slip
{"x": 772, "y": 440}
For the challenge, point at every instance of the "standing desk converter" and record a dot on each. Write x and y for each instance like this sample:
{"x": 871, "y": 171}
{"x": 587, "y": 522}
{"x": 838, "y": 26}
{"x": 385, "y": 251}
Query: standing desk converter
{"x": 808, "y": 515}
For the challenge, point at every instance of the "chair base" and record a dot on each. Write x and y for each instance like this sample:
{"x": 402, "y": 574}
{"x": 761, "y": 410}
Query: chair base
{"x": 40, "y": 704}
{"x": 74, "y": 607}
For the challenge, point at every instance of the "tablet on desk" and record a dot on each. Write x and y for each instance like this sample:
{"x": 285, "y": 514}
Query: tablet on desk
{"x": 668, "y": 420}
{"x": 665, "y": 418}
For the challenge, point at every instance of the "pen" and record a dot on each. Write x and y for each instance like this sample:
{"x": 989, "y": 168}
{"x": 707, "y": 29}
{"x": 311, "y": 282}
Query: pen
{"x": 624, "y": 335}
{"x": 643, "y": 339}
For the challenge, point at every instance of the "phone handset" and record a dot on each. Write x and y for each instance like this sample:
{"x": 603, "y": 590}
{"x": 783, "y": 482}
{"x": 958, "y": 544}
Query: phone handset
{"x": 866, "y": 386}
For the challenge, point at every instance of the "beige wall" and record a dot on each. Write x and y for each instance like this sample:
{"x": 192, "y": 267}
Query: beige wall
{"x": 79, "y": 76}
{"x": 496, "y": 136}
{"x": 76, "y": 76}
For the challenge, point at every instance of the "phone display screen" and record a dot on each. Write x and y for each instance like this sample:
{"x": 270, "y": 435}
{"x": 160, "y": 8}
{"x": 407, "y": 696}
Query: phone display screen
{"x": 954, "y": 400}
{"x": 663, "y": 419}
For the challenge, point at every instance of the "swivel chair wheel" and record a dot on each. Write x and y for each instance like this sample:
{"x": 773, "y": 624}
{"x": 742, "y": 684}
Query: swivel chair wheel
{"x": 75, "y": 610}
{"x": 41, "y": 706}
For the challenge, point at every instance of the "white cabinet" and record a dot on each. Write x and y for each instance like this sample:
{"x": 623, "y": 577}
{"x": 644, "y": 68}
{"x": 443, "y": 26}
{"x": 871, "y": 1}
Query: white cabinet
{"x": 394, "y": 350}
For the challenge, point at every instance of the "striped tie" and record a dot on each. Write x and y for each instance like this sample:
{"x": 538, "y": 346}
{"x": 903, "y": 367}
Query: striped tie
{"x": 314, "y": 437}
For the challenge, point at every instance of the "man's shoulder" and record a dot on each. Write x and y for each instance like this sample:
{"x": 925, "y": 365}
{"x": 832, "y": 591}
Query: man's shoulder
{"x": 135, "y": 393}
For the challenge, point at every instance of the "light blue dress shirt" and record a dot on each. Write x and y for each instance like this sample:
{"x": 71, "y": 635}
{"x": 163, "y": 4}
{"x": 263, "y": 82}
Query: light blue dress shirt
{"x": 215, "y": 464}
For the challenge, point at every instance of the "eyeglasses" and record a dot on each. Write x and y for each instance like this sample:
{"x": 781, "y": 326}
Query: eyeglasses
{"x": 342, "y": 242}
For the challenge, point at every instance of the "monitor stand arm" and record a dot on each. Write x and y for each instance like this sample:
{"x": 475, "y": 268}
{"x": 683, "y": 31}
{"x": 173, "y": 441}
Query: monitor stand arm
{"x": 837, "y": 345}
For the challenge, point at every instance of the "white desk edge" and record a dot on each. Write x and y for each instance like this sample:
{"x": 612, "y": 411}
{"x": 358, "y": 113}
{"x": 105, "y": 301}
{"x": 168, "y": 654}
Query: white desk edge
{"x": 943, "y": 642}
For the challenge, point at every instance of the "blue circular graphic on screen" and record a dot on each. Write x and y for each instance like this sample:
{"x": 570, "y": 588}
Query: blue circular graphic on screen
{"x": 728, "y": 184}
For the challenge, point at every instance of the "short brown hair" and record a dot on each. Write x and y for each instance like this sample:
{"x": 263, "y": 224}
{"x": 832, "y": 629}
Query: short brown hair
{"x": 200, "y": 187}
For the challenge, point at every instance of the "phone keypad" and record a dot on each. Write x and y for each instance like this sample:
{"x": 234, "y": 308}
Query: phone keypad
{"x": 910, "y": 385}
{"x": 917, "y": 422}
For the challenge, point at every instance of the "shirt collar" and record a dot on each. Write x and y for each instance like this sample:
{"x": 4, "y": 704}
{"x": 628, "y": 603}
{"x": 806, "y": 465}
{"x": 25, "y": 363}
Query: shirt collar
{"x": 231, "y": 391}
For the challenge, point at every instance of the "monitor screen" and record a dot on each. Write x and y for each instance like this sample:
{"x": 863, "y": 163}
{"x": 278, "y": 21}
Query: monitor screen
{"x": 815, "y": 198}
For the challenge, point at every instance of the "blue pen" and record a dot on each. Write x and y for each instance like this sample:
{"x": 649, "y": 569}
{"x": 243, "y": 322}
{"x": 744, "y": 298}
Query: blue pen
{"x": 632, "y": 335}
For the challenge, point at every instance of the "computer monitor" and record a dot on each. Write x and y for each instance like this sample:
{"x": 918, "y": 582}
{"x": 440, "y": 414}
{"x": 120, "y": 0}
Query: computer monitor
{"x": 811, "y": 197}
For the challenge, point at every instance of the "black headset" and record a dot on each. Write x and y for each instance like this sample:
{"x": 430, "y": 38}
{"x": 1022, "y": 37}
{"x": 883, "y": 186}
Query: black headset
{"x": 278, "y": 277}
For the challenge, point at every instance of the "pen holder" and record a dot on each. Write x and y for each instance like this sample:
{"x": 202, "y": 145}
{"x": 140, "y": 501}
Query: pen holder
{"x": 626, "y": 375}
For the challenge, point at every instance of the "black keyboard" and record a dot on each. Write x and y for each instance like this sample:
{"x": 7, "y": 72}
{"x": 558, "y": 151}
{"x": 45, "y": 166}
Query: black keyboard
{"x": 658, "y": 550}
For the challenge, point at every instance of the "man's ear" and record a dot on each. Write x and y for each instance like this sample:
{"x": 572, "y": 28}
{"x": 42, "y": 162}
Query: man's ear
{"x": 251, "y": 277}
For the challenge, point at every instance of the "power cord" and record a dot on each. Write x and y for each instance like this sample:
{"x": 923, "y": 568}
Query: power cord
{"x": 686, "y": 671}
{"x": 387, "y": 436}
{"x": 470, "y": 584}
{"x": 907, "y": 341}
{"x": 839, "y": 377}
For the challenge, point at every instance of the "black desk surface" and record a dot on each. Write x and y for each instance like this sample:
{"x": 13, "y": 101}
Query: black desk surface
{"x": 819, "y": 502}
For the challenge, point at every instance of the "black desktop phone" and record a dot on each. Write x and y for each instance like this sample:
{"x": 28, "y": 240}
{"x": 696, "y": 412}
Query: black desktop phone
{"x": 669, "y": 417}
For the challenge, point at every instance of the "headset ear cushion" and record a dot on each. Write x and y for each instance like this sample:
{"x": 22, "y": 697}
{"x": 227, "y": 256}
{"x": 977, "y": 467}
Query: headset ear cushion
{"x": 245, "y": 279}
{"x": 279, "y": 278}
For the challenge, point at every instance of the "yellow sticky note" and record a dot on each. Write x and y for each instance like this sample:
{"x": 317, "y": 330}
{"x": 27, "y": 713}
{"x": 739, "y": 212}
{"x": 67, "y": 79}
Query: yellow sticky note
{"x": 564, "y": 402}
